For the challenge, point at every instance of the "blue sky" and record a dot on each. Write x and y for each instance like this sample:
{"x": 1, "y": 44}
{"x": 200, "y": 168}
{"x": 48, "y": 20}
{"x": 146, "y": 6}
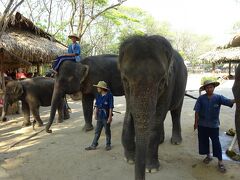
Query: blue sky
{"x": 211, "y": 17}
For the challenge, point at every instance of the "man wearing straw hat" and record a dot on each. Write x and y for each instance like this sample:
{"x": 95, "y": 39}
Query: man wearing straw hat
{"x": 74, "y": 51}
{"x": 103, "y": 114}
{"x": 207, "y": 109}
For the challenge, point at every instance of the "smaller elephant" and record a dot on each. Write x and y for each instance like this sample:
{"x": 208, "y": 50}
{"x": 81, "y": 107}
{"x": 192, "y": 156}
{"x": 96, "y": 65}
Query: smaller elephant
{"x": 33, "y": 93}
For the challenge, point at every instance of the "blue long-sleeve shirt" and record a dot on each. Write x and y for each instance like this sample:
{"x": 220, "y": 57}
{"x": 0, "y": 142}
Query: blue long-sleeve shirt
{"x": 209, "y": 109}
{"x": 75, "y": 49}
{"x": 104, "y": 103}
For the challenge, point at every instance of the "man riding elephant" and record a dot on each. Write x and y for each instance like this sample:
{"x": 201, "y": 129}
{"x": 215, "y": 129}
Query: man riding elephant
{"x": 75, "y": 77}
{"x": 73, "y": 53}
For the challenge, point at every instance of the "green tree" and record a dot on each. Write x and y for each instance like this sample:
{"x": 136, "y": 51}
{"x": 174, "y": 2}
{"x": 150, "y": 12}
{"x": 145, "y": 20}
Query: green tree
{"x": 191, "y": 45}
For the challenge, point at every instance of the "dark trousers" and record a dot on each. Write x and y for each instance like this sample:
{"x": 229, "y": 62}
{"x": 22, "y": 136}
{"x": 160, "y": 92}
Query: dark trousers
{"x": 98, "y": 130}
{"x": 204, "y": 133}
{"x": 60, "y": 59}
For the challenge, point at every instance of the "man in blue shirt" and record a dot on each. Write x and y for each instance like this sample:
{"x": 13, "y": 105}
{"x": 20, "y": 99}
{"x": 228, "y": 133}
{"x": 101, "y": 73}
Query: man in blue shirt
{"x": 74, "y": 51}
{"x": 103, "y": 114}
{"x": 207, "y": 109}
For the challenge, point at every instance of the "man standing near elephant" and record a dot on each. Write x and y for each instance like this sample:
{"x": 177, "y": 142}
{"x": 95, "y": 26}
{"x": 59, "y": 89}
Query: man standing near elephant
{"x": 103, "y": 114}
{"x": 74, "y": 51}
{"x": 207, "y": 109}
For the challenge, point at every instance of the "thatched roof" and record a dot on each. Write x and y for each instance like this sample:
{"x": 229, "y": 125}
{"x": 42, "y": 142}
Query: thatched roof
{"x": 234, "y": 42}
{"x": 29, "y": 42}
{"x": 11, "y": 61}
{"x": 222, "y": 55}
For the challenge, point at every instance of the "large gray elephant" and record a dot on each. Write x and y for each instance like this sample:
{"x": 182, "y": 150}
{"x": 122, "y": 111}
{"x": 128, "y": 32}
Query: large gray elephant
{"x": 33, "y": 93}
{"x": 154, "y": 78}
{"x": 75, "y": 77}
{"x": 236, "y": 94}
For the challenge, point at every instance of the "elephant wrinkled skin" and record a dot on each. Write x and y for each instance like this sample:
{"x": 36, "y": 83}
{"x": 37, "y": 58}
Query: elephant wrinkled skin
{"x": 74, "y": 77}
{"x": 33, "y": 93}
{"x": 236, "y": 94}
{"x": 154, "y": 78}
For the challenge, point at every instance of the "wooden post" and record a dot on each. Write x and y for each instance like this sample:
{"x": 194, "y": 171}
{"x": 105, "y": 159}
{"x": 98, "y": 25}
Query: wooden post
{"x": 38, "y": 68}
{"x": 213, "y": 67}
{"x": 2, "y": 73}
{"x": 229, "y": 68}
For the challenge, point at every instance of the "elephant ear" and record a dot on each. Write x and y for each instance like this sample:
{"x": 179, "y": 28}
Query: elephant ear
{"x": 84, "y": 72}
{"x": 18, "y": 89}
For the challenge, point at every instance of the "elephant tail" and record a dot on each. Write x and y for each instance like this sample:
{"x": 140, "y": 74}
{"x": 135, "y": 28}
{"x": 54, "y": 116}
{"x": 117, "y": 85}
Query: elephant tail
{"x": 188, "y": 95}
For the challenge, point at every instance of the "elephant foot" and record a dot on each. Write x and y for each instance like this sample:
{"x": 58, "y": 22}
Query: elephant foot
{"x": 40, "y": 124}
{"x": 66, "y": 116}
{"x": 161, "y": 140}
{"x": 129, "y": 157}
{"x": 48, "y": 130}
{"x": 4, "y": 119}
{"x": 60, "y": 121}
{"x": 26, "y": 124}
{"x": 129, "y": 161}
{"x": 154, "y": 170}
{"x": 176, "y": 140}
{"x": 88, "y": 127}
{"x": 153, "y": 167}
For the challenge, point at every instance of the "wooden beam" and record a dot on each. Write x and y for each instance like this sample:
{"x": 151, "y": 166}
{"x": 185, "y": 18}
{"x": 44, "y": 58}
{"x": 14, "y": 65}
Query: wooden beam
{"x": 213, "y": 67}
{"x": 229, "y": 68}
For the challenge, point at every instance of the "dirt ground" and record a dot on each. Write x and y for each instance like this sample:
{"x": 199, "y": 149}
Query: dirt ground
{"x": 61, "y": 155}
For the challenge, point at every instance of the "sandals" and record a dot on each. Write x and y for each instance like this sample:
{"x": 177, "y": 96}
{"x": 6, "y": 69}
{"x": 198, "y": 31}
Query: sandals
{"x": 207, "y": 160}
{"x": 221, "y": 168}
{"x": 90, "y": 148}
{"x": 231, "y": 132}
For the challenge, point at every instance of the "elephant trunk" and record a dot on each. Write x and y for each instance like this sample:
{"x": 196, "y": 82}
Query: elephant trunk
{"x": 4, "y": 109}
{"x": 56, "y": 101}
{"x": 142, "y": 115}
{"x": 141, "y": 149}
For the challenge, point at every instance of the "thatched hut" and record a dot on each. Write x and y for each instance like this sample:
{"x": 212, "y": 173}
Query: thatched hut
{"x": 10, "y": 60}
{"x": 23, "y": 44}
{"x": 23, "y": 39}
{"x": 229, "y": 53}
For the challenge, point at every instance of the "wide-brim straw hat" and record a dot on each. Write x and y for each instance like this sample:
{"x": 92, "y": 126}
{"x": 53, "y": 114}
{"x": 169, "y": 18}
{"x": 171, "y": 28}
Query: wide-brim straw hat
{"x": 74, "y": 35}
{"x": 208, "y": 82}
{"x": 102, "y": 84}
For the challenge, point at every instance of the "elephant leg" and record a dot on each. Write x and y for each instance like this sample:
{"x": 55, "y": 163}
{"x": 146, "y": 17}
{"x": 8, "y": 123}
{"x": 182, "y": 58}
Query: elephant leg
{"x": 60, "y": 112}
{"x": 161, "y": 132}
{"x": 128, "y": 138}
{"x": 26, "y": 114}
{"x": 155, "y": 138}
{"x": 87, "y": 103}
{"x": 65, "y": 110}
{"x": 237, "y": 122}
{"x": 176, "y": 128}
{"x": 36, "y": 116}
